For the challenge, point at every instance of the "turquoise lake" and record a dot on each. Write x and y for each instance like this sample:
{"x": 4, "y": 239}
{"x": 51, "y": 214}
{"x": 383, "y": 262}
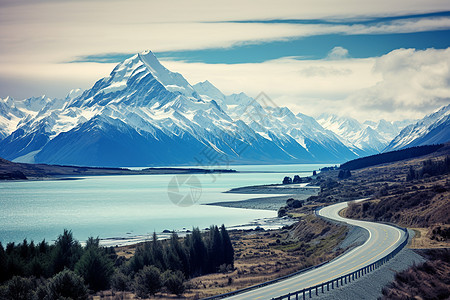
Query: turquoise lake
{"x": 124, "y": 206}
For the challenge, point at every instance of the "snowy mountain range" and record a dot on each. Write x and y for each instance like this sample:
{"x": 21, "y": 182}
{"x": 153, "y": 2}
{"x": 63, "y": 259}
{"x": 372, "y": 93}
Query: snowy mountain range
{"x": 363, "y": 139}
{"x": 145, "y": 115}
{"x": 432, "y": 129}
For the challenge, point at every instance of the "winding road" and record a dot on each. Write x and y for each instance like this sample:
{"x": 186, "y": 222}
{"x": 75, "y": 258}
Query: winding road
{"x": 382, "y": 240}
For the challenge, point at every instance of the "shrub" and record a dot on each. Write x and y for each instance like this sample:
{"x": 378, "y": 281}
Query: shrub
{"x": 147, "y": 281}
{"x": 287, "y": 180}
{"x": 282, "y": 212}
{"x": 119, "y": 281}
{"x": 66, "y": 284}
{"x": 174, "y": 282}
{"x": 19, "y": 288}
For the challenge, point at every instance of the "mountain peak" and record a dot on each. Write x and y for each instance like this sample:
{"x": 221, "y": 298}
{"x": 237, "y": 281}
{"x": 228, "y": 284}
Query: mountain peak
{"x": 172, "y": 81}
{"x": 150, "y": 60}
{"x": 208, "y": 91}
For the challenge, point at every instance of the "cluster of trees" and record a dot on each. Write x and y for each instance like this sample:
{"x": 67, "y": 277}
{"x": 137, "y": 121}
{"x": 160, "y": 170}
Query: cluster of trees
{"x": 30, "y": 271}
{"x": 326, "y": 169}
{"x": 291, "y": 203}
{"x": 388, "y": 157}
{"x": 44, "y": 260}
{"x": 429, "y": 168}
{"x": 42, "y": 270}
{"x": 157, "y": 264}
{"x": 199, "y": 254}
{"x": 344, "y": 174}
{"x": 297, "y": 179}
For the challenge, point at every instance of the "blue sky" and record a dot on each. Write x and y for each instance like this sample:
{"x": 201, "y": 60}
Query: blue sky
{"x": 311, "y": 47}
{"x": 366, "y": 59}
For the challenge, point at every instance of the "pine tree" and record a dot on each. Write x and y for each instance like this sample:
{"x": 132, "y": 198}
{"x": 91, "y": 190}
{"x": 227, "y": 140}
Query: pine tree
{"x": 66, "y": 285}
{"x": 215, "y": 249}
{"x": 411, "y": 174}
{"x": 67, "y": 252}
{"x": 177, "y": 258}
{"x": 95, "y": 267}
{"x": 3, "y": 264}
{"x": 227, "y": 246}
{"x": 198, "y": 253}
{"x": 159, "y": 259}
{"x": 174, "y": 282}
{"x": 43, "y": 247}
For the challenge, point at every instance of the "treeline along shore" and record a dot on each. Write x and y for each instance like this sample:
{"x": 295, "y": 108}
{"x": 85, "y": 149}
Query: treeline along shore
{"x": 21, "y": 171}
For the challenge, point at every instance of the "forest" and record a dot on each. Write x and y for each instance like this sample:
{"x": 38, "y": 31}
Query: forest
{"x": 389, "y": 157}
{"x": 66, "y": 269}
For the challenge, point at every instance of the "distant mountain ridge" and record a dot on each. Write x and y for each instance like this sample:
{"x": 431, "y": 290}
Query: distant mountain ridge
{"x": 432, "y": 129}
{"x": 142, "y": 114}
{"x": 363, "y": 139}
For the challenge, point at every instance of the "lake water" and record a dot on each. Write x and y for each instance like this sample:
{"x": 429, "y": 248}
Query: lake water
{"x": 126, "y": 206}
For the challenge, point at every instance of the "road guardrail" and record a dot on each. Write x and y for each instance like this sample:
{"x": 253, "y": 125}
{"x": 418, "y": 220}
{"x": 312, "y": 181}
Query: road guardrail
{"x": 325, "y": 286}
{"x": 345, "y": 279}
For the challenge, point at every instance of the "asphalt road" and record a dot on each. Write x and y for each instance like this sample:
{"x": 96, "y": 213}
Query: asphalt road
{"x": 382, "y": 240}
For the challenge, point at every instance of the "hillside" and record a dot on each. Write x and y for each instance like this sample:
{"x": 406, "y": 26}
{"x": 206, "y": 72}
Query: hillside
{"x": 421, "y": 201}
{"x": 390, "y": 157}
{"x": 428, "y": 280}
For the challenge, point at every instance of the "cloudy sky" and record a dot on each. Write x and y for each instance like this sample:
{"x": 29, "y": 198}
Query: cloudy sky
{"x": 366, "y": 59}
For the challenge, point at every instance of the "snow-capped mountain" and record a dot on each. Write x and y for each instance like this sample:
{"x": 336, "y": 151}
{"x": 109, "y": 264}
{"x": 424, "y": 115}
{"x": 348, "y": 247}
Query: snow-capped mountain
{"x": 363, "y": 139}
{"x": 278, "y": 124}
{"x": 143, "y": 114}
{"x": 432, "y": 129}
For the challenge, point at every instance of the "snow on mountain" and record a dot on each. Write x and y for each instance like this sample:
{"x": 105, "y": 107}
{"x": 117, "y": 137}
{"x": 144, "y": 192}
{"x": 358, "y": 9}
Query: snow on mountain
{"x": 432, "y": 129}
{"x": 363, "y": 139}
{"x": 10, "y": 116}
{"x": 143, "y": 114}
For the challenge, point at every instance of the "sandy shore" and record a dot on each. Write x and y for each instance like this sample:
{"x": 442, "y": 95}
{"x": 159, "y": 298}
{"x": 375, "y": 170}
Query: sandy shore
{"x": 291, "y": 189}
{"x": 280, "y": 194}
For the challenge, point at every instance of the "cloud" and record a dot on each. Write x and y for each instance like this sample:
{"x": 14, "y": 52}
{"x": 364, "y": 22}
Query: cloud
{"x": 405, "y": 83}
{"x": 61, "y": 31}
{"x": 413, "y": 83}
{"x": 307, "y": 86}
{"x": 54, "y": 80}
{"x": 338, "y": 53}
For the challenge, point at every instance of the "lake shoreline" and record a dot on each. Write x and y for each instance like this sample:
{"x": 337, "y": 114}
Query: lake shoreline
{"x": 98, "y": 202}
{"x": 272, "y": 203}
{"x": 281, "y": 193}
{"x": 12, "y": 171}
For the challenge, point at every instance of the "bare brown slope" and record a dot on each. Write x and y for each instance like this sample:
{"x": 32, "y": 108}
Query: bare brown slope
{"x": 429, "y": 280}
